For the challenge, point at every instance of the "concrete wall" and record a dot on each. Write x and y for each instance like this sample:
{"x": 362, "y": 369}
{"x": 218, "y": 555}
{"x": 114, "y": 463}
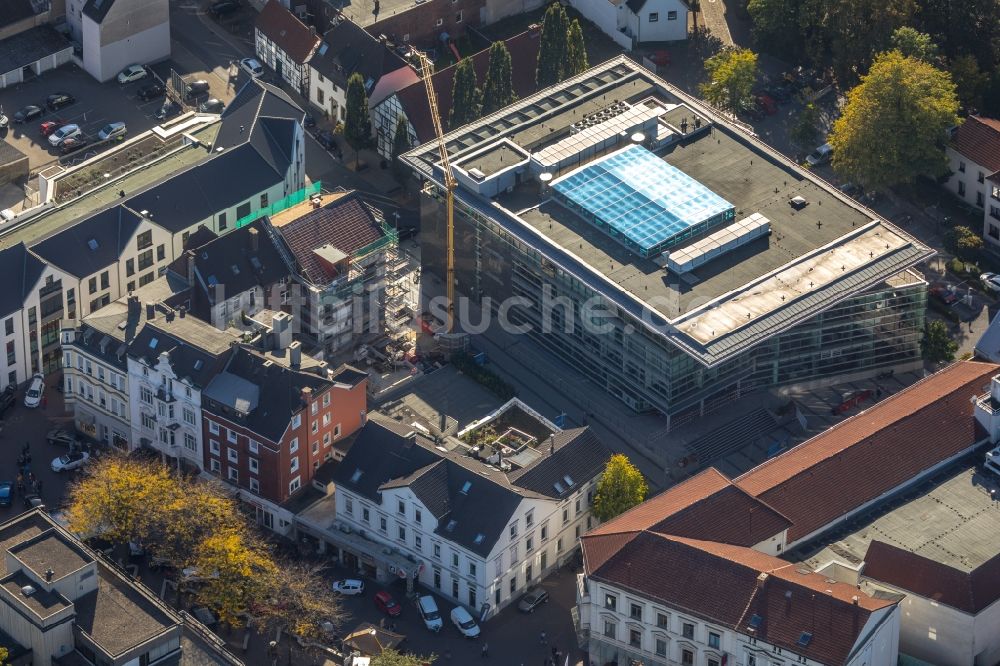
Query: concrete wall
{"x": 494, "y": 10}
{"x": 606, "y": 16}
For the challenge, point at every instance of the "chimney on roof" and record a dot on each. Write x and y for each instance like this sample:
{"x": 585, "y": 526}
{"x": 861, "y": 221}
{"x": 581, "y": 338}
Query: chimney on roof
{"x": 312, "y": 30}
{"x": 189, "y": 256}
{"x": 788, "y": 602}
{"x": 181, "y": 311}
{"x": 170, "y": 315}
{"x": 306, "y": 394}
{"x": 281, "y": 329}
{"x": 254, "y": 239}
{"x": 150, "y": 312}
{"x": 552, "y": 444}
{"x": 761, "y": 580}
{"x": 49, "y": 573}
{"x": 295, "y": 355}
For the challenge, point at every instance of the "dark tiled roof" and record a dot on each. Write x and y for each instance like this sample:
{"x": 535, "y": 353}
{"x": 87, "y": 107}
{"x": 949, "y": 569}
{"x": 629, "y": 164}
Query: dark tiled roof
{"x": 287, "y": 32}
{"x": 19, "y": 273}
{"x": 91, "y": 245}
{"x": 279, "y": 392}
{"x": 25, "y": 48}
{"x": 347, "y": 224}
{"x": 859, "y": 459}
{"x": 729, "y": 584}
{"x": 969, "y": 592}
{"x": 579, "y": 455}
{"x": 102, "y": 335}
{"x": 12, "y": 11}
{"x": 224, "y": 181}
{"x": 265, "y": 117}
{"x": 979, "y": 140}
{"x": 197, "y": 350}
{"x": 413, "y": 98}
{"x": 98, "y": 9}
{"x": 230, "y": 260}
{"x": 349, "y": 49}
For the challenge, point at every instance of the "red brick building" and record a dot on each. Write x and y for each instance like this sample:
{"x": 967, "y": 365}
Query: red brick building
{"x": 271, "y": 418}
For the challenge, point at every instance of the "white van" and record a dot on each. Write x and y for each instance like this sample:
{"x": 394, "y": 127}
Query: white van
{"x": 821, "y": 155}
{"x": 429, "y": 613}
{"x": 36, "y": 388}
{"x": 464, "y": 623}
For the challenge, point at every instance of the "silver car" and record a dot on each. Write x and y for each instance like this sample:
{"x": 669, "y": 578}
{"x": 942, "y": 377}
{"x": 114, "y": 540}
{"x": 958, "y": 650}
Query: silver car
{"x": 112, "y": 130}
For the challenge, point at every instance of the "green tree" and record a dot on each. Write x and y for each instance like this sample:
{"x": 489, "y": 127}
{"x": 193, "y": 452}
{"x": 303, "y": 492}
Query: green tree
{"x": 465, "y": 95}
{"x": 552, "y": 46}
{"x": 970, "y": 82}
{"x": 391, "y": 657}
{"x": 400, "y": 144}
{"x": 915, "y": 44}
{"x": 859, "y": 29}
{"x": 776, "y": 27}
{"x": 357, "y": 123}
{"x": 576, "y": 51}
{"x": 732, "y": 74}
{"x": 4, "y": 655}
{"x": 806, "y": 127}
{"x": 970, "y": 26}
{"x": 964, "y": 243}
{"x": 620, "y": 488}
{"x": 498, "y": 91}
{"x": 937, "y": 345}
{"x": 893, "y": 126}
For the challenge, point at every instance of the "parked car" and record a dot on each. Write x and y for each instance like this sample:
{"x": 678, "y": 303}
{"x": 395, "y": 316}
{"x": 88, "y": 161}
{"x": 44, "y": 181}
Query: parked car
{"x": 72, "y": 145}
{"x": 31, "y": 501}
{"x": 63, "y": 133}
{"x": 945, "y": 294}
{"x": 132, "y": 73}
{"x": 7, "y": 398}
{"x": 252, "y": 67}
{"x": 112, "y": 130}
{"x": 151, "y": 91}
{"x": 169, "y": 109}
{"x": 821, "y": 155}
{"x": 991, "y": 281}
{"x": 4, "y": 121}
{"x": 349, "y": 587}
{"x": 385, "y": 603}
{"x": 57, "y": 101}
{"x": 61, "y": 437}
{"x": 767, "y": 104}
{"x": 212, "y": 106}
{"x": 429, "y": 613}
{"x": 532, "y": 599}
{"x": 50, "y": 126}
{"x": 36, "y": 388}
{"x": 325, "y": 139}
{"x": 223, "y": 8}
{"x": 70, "y": 461}
{"x": 27, "y": 113}
{"x": 195, "y": 88}
{"x": 850, "y": 189}
{"x": 464, "y": 623}
{"x": 6, "y": 492}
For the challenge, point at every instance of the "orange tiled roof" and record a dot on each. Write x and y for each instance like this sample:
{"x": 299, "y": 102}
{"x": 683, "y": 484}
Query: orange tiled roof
{"x": 979, "y": 140}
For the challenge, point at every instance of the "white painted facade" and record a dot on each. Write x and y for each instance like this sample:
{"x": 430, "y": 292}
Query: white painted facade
{"x": 96, "y": 391}
{"x": 539, "y": 536}
{"x": 969, "y": 183}
{"x": 623, "y": 626}
{"x": 132, "y": 32}
{"x": 326, "y": 96}
{"x": 269, "y": 53}
{"x": 656, "y": 21}
{"x": 152, "y": 415}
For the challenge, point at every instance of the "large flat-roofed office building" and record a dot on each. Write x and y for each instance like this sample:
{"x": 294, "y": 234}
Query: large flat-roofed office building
{"x": 718, "y": 265}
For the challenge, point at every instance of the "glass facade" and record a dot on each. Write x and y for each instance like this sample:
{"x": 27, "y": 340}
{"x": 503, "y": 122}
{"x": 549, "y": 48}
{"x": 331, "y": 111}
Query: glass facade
{"x": 877, "y": 328}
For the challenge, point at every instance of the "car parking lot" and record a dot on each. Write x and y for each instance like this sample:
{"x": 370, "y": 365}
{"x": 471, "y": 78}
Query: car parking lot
{"x": 96, "y": 105}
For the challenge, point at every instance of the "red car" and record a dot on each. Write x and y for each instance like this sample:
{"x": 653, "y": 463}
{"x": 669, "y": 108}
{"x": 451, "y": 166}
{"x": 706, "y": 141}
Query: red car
{"x": 50, "y": 126}
{"x": 385, "y": 603}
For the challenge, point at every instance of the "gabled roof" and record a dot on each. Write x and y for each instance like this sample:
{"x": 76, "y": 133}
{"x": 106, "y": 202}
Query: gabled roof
{"x": 97, "y": 10}
{"x": 91, "y": 245}
{"x": 287, "y": 32}
{"x": 265, "y": 117}
{"x": 979, "y": 140}
{"x": 347, "y": 48}
{"x": 413, "y": 98}
{"x": 578, "y": 457}
{"x": 970, "y": 592}
{"x": 267, "y": 393}
{"x": 346, "y": 224}
{"x": 230, "y": 260}
{"x": 881, "y": 448}
{"x": 197, "y": 350}
{"x": 730, "y": 585}
{"x": 20, "y": 271}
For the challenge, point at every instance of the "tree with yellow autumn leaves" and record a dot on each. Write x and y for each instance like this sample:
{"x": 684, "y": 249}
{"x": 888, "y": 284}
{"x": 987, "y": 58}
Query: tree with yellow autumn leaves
{"x": 194, "y": 524}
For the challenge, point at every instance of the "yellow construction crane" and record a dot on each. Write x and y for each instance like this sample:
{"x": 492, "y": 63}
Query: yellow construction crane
{"x": 426, "y": 72}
